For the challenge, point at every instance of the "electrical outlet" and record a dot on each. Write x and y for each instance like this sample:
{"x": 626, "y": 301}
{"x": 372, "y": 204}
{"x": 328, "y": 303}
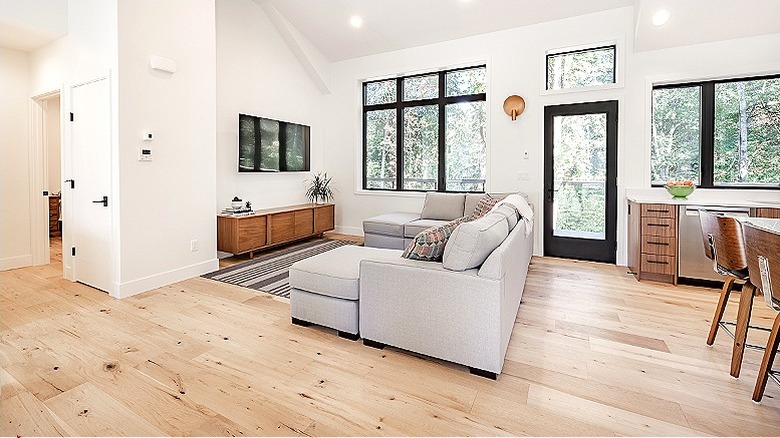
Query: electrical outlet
{"x": 523, "y": 176}
{"x": 194, "y": 245}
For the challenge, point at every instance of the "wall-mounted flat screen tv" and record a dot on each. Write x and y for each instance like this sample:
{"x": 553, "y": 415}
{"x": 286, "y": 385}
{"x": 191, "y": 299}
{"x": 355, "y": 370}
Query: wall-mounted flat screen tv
{"x": 267, "y": 145}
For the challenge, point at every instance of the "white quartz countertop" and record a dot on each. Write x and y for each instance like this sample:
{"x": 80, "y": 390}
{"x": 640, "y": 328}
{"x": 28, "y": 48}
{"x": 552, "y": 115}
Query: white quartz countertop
{"x": 712, "y": 197}
{"x": 766, "y": 224}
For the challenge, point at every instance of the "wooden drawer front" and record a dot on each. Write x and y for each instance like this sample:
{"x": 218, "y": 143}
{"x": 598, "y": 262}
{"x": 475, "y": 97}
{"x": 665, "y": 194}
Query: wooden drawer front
{"x": 765, "y": 212}
{"x": 659, "y": 245}
{"x": 304, "y": 222}
{"x": 659, "y": 210}
{"x": 282, "y": 227}
{"x": 323, "y": 219}
{"x": 251, "y": 233}
{"x": 658, "y": 264}
{"x": 658, "y": 226}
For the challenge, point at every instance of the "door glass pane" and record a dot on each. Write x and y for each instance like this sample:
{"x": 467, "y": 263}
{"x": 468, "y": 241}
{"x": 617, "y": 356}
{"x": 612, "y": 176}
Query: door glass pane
{"x": 421, "y": 87}
{"x": 421, "y": 147}
{"x": 381, "y": 149}
{"x": 676, "y": 134}
{"x": 747, "y": 132}
{"x": 580, "y": 174}
{"x": 465, "y": 146}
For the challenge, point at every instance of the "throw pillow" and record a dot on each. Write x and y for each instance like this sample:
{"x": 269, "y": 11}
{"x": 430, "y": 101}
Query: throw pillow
{"x": 483, "y": 207}
{"x": 472, "y": 242}
{"x": 429, "y": 244}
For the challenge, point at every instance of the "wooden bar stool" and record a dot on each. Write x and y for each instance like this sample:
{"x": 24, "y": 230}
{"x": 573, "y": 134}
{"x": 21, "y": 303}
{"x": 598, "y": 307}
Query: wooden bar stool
{"x": 763, "y": 257}
{"x": 724, "y": 245}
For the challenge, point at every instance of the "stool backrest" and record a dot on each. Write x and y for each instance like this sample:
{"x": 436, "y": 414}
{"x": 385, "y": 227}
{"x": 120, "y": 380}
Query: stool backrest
{"x": 763, "y": 257}
{"x": 723, "y": 240}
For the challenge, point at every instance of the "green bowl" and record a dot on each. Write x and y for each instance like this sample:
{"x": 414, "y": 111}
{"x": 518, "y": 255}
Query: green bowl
{"x": 679, "y": 191}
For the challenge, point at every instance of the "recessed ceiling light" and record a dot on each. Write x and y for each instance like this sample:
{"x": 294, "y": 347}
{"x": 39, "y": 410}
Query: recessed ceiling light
{"x": 355, "y": 21}
{"x": 661, "y": 17}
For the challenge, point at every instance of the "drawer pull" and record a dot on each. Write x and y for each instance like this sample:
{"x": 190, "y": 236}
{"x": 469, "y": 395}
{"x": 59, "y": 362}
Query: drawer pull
{"x": 658, "y": 225}
{"x": 657, "y": 243}
{"x": 657, "y": 211}
{"x": 657, "y": 262}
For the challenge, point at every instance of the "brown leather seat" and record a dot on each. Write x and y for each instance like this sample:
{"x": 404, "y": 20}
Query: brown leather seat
{"x": 724, "y": 245}
{"x": 763, "y": 258}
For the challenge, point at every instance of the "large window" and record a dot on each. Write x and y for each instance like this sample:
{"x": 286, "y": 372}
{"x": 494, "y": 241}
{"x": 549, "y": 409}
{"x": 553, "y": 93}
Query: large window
{"x": 581, "y": 68}
{"x": 717, "y": 133}
{"x": 426, "y": 132}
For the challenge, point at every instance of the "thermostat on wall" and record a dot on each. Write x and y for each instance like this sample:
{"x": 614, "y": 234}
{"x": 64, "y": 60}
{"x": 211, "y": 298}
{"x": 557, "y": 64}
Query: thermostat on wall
{"x": 144, "y": 154}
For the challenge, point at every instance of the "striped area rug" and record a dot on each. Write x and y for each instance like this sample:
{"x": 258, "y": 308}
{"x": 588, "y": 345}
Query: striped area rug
{"x": 269, "y": 273}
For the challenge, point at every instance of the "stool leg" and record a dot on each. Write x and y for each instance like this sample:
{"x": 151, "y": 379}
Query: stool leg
{"x": 743, "y": 320}
{"x": 769, "y": 358}
{"x": 724, "y": 299}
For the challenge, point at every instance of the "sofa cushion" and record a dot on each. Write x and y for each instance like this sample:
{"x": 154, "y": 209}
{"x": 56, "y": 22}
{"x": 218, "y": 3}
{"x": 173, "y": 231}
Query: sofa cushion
{"x": 335, "y": 273}
{"x": 390, "y": 224}
{"x": 511, "y": 213}
{"x": 472, "y": 242}
{"x": 484, "y": 205}
{"x": 429, "y": 245}
{"x": 414, "y": 228}
{"x": 443, "y": 206}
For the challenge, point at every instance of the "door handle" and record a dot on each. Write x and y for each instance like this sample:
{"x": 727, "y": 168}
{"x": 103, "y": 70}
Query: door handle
{"x": 103, "y": 201}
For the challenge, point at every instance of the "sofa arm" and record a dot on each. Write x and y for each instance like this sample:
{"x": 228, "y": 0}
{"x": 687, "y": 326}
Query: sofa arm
{"x": 422, "y": 307}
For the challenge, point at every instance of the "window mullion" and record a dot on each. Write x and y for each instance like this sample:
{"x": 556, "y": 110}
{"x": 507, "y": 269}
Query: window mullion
{"x": 442, "y": 171}
{"x": 707, "y": 150}
{"x": 399, "y": 121}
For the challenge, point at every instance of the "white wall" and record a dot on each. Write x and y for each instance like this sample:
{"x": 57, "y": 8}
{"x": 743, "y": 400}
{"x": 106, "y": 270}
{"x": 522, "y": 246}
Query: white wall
{"x": 258, "y": 74}
{"x": 53, "y": 144}
{"x": 170, "y": 201}
{"x": 515, "y": 60}
{"x": 15, "y": 248}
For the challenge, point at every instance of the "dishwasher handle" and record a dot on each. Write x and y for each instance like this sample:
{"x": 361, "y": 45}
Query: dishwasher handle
{"x": 693, "y": 210}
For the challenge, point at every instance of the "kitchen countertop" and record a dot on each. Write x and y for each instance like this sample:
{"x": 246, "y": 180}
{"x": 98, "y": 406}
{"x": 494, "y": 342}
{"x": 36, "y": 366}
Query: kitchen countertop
{"x": 766, "y": 224}
{"x": 703, "y": 198}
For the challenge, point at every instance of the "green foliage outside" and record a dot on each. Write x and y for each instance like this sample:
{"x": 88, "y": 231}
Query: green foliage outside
{"x": 581, "y": 69}
{"x": 465, "y": 136}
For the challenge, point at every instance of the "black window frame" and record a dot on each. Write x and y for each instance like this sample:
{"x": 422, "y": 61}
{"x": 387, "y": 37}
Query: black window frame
{"x": 399, "y": 105}
{"x": 707, "y": 132}
{"x": 588, "y": 49}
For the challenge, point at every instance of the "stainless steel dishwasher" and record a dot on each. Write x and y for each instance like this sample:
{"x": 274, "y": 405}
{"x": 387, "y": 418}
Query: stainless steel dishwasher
{"x": 691, "y": 261}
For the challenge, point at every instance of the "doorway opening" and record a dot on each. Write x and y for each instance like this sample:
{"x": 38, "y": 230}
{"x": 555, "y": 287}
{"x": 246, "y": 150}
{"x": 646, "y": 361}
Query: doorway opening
{"x": 47, "y": 179}
{"x": 580, "y": 181}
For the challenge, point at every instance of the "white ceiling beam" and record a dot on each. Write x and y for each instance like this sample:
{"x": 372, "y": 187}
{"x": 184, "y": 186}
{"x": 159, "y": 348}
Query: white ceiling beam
{"x": 313, "y": 62}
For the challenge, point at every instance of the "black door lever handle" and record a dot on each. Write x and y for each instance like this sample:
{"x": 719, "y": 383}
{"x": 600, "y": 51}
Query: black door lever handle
{"x": 103, "y": 201}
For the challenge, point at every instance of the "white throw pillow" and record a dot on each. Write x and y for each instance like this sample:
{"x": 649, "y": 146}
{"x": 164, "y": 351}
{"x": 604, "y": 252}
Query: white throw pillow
{"x": 472, "y": 242}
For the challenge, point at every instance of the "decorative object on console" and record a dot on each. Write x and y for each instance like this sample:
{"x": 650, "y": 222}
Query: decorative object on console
{"x": 514, "y": 105}
{"x": 319, "y": 191}
{"x": 237, "y": 203}
{"x": 680, "y": 189}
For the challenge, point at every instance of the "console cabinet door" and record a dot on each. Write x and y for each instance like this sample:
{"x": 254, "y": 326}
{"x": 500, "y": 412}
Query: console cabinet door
{"x": 304, "y": 222}
{"x": 282, "y": 227}
{"x": 251, "y": 233}
{"x": 323, "y": 219}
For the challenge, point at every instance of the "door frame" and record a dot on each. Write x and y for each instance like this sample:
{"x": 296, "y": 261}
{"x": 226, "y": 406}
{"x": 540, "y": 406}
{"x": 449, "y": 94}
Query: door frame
{"x": 582, "y": 249}
{"x": 39, "y": 176}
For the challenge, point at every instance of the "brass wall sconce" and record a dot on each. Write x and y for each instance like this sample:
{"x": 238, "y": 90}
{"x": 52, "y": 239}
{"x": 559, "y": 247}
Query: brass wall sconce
{"x": 514, "y": 106}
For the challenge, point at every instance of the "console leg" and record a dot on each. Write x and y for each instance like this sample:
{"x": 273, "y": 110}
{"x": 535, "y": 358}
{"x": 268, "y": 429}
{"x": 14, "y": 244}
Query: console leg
{"x": 301, "y": 322}
{"x": 373, "y": 344}
{"x": 483, "y": 373}
{"x": 350, "y": 336}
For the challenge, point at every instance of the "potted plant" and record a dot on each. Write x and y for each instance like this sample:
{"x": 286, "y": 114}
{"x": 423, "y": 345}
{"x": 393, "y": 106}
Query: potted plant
{"x": 319, "y": 190}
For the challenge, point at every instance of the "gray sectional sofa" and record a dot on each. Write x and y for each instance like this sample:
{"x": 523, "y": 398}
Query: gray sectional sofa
{"x": 462, "y": 316}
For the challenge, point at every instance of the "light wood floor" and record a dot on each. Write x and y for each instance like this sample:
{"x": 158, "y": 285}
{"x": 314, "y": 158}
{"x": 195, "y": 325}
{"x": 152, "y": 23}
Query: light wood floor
{"x": 593, "y": 352}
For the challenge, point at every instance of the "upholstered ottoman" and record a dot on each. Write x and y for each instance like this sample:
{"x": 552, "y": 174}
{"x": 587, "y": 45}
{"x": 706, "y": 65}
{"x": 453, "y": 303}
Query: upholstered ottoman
{"x": 325, "y": 288}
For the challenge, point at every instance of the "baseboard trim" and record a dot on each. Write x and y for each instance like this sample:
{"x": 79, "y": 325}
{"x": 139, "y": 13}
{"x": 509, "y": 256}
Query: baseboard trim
{"x": 135, "y": 287}
{"x": 21, "y": 261}
{"x": 351, "y": 231}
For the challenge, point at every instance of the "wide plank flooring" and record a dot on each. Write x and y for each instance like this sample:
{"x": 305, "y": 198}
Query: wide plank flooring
{"x": 593, "y": 352}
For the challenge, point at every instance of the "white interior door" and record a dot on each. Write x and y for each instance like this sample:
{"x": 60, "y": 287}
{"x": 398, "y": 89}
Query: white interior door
{"x": 91, "y": 139}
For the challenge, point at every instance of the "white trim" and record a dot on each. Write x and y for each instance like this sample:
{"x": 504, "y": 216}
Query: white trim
{"x": 350, "y": 231}
{"x": 135, "y": 287}
{"x": 15, "y": 262}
